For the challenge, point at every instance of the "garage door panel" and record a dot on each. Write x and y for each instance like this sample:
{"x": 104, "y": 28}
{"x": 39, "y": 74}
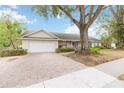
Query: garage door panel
{"x": 42, "y": 46}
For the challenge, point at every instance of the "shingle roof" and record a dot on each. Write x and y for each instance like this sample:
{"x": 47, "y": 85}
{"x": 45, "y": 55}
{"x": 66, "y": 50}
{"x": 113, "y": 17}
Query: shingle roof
{"x": 66, "y": 36}
{"x": 72, "y": 37}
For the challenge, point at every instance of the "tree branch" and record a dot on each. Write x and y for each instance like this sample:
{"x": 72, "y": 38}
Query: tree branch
{"x": 96, "y": 13}
{"x": 91, "y": 12}
{"x": 113, "y": 12}
{"x": 82, "y": 13}
{"x": 69, "y": 15}
{"x": 86, "y": 15}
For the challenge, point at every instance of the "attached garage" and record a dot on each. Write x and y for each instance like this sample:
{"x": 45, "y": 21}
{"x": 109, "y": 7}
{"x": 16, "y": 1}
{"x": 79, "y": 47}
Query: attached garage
{"x": 34, "y": 46}
{"x": 40, "y": 41}
{"x": 42, "y": 46}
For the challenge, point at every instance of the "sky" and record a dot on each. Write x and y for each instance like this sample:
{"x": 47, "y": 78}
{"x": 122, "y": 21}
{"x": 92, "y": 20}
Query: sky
{"x": 34, "y": 22}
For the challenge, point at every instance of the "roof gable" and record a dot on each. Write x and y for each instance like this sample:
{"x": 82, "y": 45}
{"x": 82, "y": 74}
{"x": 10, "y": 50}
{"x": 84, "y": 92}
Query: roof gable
{"x": 40, "y": 34}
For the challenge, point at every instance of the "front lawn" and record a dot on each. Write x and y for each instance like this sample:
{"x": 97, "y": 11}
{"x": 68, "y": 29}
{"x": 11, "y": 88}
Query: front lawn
{"x": 93, "y": 60}
{"x": 121, "y": 77}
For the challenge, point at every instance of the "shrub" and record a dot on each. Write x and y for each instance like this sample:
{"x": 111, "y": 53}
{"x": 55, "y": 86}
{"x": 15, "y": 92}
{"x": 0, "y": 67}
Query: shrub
{"x": 62, "y": 50}
{"x": 12, "y": 52}
{"x": 95, "y": 51}
{"x": 121, "y": 47}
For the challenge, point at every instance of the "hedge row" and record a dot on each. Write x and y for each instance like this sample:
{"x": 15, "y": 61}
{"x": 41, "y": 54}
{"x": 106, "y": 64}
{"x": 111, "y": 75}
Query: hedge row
{"x": 62, "y": 50}
{"x": 12, "y": 52}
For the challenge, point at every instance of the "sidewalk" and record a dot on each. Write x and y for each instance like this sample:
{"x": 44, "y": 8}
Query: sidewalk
{"x": 114, "y": 68}
{"x": 87, "y": 78}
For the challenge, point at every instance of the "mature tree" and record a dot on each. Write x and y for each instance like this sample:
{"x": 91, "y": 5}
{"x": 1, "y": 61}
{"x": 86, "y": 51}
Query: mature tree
{"x": 118, "y": 27}
{"x": 107, "y": 29}
{"x": 4, "y": 41}
{"x": 10, "y": 30}
{"x": 86, "y": 16}
{"x": 106, "y": 40}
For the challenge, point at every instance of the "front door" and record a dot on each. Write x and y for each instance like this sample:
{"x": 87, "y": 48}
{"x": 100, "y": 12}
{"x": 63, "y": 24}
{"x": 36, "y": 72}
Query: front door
{"x": 74, "y": 44}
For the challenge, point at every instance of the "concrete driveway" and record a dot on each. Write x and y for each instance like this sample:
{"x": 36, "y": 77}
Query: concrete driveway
{"x": 22, "y": 71}
{"x": 103, "y": 75}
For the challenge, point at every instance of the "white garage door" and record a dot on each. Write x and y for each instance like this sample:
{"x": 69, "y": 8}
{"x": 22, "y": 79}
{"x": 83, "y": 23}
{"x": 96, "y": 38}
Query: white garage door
{"x": 42, "y": 46}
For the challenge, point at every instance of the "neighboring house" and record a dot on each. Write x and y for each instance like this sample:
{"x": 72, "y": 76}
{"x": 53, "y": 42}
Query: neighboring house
{"x": 43, "y": 41}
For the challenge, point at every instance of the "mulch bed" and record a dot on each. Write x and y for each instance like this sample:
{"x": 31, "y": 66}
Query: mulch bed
{"x": 93, "y": 60}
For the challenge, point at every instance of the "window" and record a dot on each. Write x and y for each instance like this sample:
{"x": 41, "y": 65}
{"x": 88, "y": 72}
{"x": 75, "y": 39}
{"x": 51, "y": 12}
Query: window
{"x": 64, "y": 44}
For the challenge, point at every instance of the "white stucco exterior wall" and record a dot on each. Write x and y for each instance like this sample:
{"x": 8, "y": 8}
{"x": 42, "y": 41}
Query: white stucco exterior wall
{"x": 113, "y": 45}
{"x": 25, "y": 44}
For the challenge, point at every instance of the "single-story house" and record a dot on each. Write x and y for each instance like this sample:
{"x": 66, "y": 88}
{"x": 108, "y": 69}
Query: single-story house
{"x": 43, "y": 41}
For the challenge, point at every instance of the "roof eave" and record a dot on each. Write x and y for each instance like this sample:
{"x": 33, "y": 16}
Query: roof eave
{"x": 36, "y": 39}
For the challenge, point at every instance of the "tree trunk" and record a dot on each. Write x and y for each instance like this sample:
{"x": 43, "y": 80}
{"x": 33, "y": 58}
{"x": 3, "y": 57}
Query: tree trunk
{"x": 84, "y": 39}
{"x": 84, "y": 49}
{"x": 12, "y": 41}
